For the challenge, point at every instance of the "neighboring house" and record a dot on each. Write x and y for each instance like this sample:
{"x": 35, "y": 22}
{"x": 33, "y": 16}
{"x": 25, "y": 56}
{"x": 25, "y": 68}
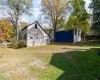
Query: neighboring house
{"x": 50, "y": 32}
{"x": 68, "y": 36}
{"x": 52, "y": 36}
{"x": 35, "y": 35}
{"x": 65, "y": 36}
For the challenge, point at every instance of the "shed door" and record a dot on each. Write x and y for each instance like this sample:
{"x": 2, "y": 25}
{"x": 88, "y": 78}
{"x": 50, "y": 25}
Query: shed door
{"x": 30, "y": 43}
{"x": 37, "y": 41}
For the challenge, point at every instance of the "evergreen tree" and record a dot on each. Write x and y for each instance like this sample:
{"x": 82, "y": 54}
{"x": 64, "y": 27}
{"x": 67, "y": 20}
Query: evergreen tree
{"x": 95, "y": 6}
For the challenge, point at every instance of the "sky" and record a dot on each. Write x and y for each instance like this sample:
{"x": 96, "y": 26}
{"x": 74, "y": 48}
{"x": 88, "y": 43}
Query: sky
{"x": 37, "y": 11}
{"x": 87, "y": 5}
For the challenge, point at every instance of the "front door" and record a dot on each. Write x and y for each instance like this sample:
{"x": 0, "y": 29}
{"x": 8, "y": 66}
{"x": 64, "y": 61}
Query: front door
{"x": 37, "y": 41}
{"x": 30, "y": 41}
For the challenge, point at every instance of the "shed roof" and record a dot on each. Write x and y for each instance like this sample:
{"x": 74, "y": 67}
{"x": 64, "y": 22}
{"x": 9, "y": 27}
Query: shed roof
{"x": 32, "y": 24}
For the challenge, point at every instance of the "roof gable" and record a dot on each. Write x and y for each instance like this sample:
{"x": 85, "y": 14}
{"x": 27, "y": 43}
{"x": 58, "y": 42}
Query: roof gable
{"x": 36, "y": 22}
{"x": 28, "y": 25}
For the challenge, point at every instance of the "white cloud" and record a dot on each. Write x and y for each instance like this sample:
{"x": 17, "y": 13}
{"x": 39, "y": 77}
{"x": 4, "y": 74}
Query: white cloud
{"x": 32, "y": 18}
{"x": 87, "y": 5}
{"x": 37, "y": 12}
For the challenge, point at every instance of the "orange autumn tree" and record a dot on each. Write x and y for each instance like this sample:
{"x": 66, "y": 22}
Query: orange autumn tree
{"x": 1, "y": 35}
{"x": 7, "y": 28}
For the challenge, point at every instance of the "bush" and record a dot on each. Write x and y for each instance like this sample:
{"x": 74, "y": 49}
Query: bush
{"x": 21, "y": 44}
{"x": 13, "y": 43}
{"x": 1, "y": 41}
{"x": 17, "y": 44}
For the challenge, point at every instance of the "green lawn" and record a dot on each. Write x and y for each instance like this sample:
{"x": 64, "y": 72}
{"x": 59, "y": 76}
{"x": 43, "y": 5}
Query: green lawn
{"x": 60, "y": 61}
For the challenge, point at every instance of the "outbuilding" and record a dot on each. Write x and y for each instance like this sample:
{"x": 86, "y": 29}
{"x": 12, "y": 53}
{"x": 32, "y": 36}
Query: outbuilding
{"x": 35, "y": 35}
{"x": 68, "y": 36}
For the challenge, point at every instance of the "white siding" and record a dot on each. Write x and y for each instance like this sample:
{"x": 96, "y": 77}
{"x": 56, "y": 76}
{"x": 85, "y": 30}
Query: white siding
{"x": 35, "y": 37}
{"x": 77, "y": 36}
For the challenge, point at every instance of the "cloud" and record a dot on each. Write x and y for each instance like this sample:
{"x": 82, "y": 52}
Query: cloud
{"x": 87, "y": 5}
{"x": 37, "y": 3}
{"x": 36, "y": 12}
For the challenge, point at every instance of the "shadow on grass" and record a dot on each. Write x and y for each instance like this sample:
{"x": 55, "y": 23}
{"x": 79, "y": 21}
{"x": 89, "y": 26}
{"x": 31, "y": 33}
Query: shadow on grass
{"x": 78, "y": 65}
{"x": 88, "y": 43}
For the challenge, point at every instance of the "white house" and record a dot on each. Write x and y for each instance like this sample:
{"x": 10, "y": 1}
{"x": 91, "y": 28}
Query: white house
{"x": 35, "y": 35}
{"x": 77, "y": 35}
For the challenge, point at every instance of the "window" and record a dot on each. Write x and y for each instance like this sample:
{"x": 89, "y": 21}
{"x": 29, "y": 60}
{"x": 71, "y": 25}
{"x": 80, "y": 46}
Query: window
{"x": 78, "y": 33}
{"x": 31, "y": 37}
{"x": 35, "y": 26}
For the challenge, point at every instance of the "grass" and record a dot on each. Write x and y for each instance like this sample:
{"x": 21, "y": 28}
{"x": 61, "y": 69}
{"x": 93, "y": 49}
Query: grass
{"x": 60, "y": 61}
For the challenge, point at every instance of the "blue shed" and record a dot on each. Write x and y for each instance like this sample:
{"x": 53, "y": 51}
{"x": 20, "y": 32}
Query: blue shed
{"x": 68, "y": 36}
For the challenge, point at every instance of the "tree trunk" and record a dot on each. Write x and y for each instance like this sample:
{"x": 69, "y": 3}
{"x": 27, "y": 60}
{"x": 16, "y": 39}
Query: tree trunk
{"x": 84, "y": 38}
{"x": 17, "y": 33}
{"x": 17, "y": 18}
{"x": 16, "y": 25}
{"x": 54, "y": 32}
{"x": 54, "y": 35}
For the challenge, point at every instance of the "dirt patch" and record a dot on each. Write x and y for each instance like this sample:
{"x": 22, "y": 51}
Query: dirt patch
{"x": 20, "y": 73}
{"x": 38, "y": 63}
{"x": 14, "y": 69}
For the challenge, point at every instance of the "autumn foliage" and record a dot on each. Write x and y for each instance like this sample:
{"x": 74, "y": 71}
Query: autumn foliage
{"x": 1, "y": 35}
{"x": 6, "y": 30}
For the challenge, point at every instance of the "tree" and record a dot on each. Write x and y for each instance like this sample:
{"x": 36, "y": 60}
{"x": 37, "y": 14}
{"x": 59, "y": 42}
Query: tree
{"x": 79, "y": 17}
{"x": 23, "y": 24}
{"x": 61, "y": 23}
{"x": 1, "y": 35}
{"x": 7, "y": 28}
{"x": 95, "y": 6}
{"x": 54, "y": 9}
{"x": 40, "y": 20}
{"x": 15, "y": 9}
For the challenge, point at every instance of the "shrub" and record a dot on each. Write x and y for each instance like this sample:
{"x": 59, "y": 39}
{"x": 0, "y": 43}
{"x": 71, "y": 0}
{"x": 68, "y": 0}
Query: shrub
{"x": 17, "y": 44}
{"x": 21, "y": 44}
{"x": 13, "y": 43}
{"x": 1, "y": 41}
